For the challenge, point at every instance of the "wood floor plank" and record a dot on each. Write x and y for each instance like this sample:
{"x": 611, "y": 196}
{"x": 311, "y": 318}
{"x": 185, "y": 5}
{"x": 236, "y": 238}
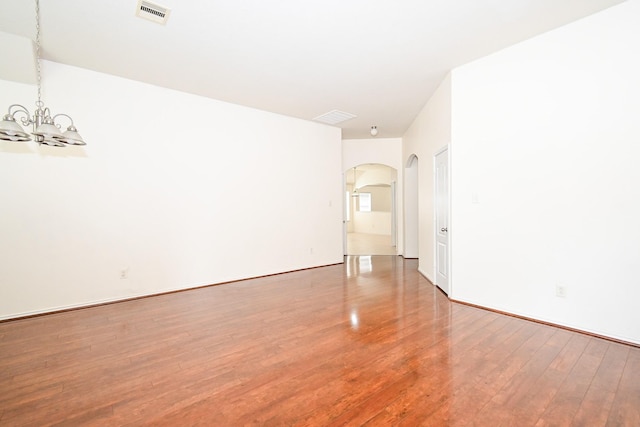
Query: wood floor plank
{"x": 568, "y": 399}
{"x": 625, "y": 409}
{"x": 501, "y": 376}
{"x": 596, "y": 405}
{"x": 354, "y": 344}
{"x": 462, "y": 405}
{"x": 541, "y": 389}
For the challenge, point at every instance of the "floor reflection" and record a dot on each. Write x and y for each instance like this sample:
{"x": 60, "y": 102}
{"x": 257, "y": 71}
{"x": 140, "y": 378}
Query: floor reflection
{"x": 398, "y": 329}
{"x": 357, "y": 265}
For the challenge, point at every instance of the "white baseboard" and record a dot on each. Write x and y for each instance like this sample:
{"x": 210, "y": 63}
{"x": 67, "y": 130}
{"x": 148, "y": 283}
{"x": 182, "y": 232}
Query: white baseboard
{"x": 426, "y": 276}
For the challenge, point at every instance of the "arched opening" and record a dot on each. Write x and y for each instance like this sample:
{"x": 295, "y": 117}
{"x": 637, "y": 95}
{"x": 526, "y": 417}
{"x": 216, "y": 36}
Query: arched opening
{"x": 411, "y": 196}
{"x": 370, "y": 210}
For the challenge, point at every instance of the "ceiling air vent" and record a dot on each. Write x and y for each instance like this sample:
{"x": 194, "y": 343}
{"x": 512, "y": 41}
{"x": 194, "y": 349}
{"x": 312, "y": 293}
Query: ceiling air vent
{"x": 334, "y": 117}
{"x": 152, "y": 12}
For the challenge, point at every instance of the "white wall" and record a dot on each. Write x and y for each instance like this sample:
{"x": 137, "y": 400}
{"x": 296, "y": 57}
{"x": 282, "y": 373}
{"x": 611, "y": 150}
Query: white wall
{"x": 20, "y": 59}
{"x": 163, "y": 190}
{"x": 430, "y": 132}
{"x": 385, "y": 151}
{"x": 380, "y": 197}
{"x": 547, "y": 136}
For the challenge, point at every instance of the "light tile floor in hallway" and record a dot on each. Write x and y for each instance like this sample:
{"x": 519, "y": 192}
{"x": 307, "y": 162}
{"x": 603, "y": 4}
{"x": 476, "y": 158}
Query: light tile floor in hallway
{"x": 369, "y": 244}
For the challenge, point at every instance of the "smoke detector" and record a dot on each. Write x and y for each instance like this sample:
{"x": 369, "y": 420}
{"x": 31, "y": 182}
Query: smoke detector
{"x": 152, "y": 12}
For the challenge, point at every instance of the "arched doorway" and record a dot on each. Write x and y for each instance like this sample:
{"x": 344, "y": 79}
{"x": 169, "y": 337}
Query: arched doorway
{"x": 370, "y": 210}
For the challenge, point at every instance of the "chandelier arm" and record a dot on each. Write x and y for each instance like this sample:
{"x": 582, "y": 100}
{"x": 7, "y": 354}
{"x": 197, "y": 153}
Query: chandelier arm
{"x": 71, "y": 135}
{"x": 62, "y": 114}
{"x": 26, "y": 121}
{"x": 41, "y": 116}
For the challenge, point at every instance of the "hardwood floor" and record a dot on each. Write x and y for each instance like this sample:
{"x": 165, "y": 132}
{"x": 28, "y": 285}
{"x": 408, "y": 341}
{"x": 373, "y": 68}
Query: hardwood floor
{"x": 370, "y": 342}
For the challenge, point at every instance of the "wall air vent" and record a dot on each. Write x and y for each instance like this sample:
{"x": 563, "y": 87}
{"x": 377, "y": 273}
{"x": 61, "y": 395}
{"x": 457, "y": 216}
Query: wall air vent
{"x": 152, "y": 12}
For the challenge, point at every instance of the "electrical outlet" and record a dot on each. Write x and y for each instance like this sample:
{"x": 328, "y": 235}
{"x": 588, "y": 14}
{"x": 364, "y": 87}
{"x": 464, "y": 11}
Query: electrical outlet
{"x": 561, "y": 291}
{"x": 124, "y": 274}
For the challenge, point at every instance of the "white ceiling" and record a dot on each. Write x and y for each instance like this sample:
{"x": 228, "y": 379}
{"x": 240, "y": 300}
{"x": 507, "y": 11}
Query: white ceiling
{"x": 378, "y": 59}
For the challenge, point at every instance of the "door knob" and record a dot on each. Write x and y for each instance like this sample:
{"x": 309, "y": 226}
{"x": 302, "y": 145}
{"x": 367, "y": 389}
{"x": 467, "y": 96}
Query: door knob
{"x": 444, "y": 230}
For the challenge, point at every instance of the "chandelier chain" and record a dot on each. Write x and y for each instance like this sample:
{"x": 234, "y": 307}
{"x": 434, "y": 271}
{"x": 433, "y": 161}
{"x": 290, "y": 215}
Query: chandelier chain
{"x": 39, "y": 103}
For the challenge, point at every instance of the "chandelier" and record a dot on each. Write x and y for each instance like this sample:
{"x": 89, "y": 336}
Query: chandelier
{"x": 355, "y": 177}
{"x": 45, "y": 128}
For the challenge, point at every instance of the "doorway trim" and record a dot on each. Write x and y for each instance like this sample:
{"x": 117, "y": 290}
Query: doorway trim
{"x": 411, "y": 203}
{"x": 393, "y": 219}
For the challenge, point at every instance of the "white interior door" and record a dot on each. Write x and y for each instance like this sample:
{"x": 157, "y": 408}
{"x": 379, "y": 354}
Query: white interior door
{"x": 442, "y": 219}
